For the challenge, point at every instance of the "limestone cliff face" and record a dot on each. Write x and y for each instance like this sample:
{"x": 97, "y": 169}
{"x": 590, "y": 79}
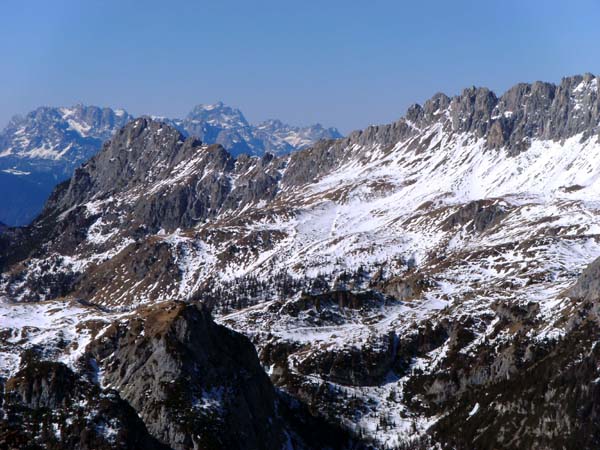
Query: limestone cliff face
{"x": 47, "y": 405}
{"x": 525, "y": 112}
{"x": 163, "y": 377}
{"x": 164, "y": 180}
{"x": 587, "y": 286}
{"x": 195, "y": 384}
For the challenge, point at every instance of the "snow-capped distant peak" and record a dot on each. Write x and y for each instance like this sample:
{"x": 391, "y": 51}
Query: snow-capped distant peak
{"x": 220, "y": 123}
{"x": 218, "y": 115}
{"x": 74, "y": 133}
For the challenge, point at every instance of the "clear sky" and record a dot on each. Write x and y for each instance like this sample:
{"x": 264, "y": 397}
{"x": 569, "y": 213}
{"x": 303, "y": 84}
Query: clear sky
{"x": 342, "y": 63}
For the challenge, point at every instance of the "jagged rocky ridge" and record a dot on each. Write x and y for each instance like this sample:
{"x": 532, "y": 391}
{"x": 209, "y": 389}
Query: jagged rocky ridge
{"x": 404, "y": 282}
{"x": 46, "y": 405}
{"x": 44, "y": 147}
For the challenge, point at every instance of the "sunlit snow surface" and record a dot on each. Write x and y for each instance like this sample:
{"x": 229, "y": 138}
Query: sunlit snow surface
{"x": 57, "y": 328}
{"x": 382, "y": 207}
{"x": 549, "y": 235}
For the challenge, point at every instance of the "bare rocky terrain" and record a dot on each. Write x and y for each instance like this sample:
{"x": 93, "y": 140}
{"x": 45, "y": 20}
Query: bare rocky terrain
{"x": 431, "y": 283}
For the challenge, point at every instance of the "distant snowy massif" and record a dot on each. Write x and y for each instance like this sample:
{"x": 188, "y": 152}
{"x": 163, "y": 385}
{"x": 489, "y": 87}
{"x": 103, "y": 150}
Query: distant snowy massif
{"x": 44, "y": 147}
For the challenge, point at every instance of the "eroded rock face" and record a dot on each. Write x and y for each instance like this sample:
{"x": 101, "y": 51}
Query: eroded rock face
{"x": 407, "y": 287}
{"x": 587, "y": 286}
{"x": 194, "y": 383}
{"x": 478, "y": 215}
{"x": 139, "y": 160}
{"x": 47, "y": 405}
{"x": 164, "y": 377}
{"x": 526, "y": 111}
{"x": 551, "y": 402}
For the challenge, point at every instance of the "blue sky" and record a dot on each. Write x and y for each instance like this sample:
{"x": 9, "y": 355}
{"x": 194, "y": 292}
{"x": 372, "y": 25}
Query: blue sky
{"x": 342, "y": 63}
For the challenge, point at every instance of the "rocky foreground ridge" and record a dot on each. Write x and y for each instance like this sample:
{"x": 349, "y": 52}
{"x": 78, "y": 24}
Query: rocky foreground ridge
{"x": 162, "y": 377}
{"x": 424, "y": 284}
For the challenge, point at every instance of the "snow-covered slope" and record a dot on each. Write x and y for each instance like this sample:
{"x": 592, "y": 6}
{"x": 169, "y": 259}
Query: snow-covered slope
{"x": 393, "y": 280}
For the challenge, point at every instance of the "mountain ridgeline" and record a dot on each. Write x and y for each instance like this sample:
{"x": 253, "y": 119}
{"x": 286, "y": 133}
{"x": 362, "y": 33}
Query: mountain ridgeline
{"x": 44, "y": 147}
{"x": 221, "y": 124}
{"x": 430, "y": 283}
{"x": 206, "y": 181}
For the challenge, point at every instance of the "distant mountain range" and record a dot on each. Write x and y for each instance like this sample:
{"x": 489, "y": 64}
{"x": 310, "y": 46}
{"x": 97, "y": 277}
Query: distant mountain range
{"x": 44, "y": 147}
{"x": 221, "y": 124}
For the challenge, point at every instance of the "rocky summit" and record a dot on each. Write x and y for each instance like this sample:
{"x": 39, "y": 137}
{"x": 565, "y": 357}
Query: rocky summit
{"x": 44, "y": 147}
{"x": 430, "y": 283}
